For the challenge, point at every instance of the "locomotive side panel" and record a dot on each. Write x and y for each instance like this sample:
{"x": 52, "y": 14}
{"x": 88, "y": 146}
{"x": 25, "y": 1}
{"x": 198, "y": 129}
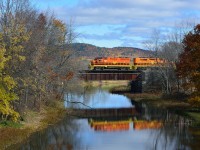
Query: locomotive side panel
{"x": 125, "y": 63}
{"x": 143, "y": 62}
{"x": 111, "y": 62}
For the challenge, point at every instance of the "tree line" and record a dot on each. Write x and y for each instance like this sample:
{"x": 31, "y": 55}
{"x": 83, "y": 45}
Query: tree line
{"x": 36, "y": 58}
{"x": 181, "y": 49}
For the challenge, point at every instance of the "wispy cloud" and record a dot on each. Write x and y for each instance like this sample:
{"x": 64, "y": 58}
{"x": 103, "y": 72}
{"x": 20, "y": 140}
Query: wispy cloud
{"x": 126, "y": 19}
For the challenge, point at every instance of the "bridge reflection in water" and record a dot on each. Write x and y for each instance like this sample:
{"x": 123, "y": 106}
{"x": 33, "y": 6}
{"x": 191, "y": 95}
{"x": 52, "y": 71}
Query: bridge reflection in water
{"x": 116, "y": 119}
{"x": 105, "y": 112}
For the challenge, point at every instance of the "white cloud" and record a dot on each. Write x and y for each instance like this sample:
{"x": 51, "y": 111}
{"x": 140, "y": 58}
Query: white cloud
{"x": 137, "y": 18}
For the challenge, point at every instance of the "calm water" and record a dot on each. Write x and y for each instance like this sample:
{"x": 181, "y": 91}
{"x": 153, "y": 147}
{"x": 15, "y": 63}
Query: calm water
{"x": 153, "y": 129}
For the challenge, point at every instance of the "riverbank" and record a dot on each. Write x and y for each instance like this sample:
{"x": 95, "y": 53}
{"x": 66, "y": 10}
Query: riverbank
{"x": 106, "y": 85}
{"x": 158, "y": 100}
{"x": 33, "y": 122}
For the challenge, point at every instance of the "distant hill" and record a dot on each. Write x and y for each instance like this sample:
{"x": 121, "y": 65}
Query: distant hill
{"x": 89, "y": 51}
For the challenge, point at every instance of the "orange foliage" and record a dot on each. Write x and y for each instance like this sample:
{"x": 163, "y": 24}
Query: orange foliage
{"x": 189, "y": 65}
{"x": 41, "y": 22}
{"x": 58, "y": 23}
{"x": 53, "y": 75}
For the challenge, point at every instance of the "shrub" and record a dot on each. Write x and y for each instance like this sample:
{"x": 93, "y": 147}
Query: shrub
{"x": 195, "y": 101}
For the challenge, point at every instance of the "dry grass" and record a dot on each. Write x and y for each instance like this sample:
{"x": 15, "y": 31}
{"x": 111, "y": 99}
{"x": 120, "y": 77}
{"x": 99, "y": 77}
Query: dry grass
{"x": 104, "y": 82}
{"x": 11, "y": 136}
{"x": 156, "y": 100}
{"x": 34, "y": 121}
{"x": 143, "y": 96}
{"x": 196, "y": 117}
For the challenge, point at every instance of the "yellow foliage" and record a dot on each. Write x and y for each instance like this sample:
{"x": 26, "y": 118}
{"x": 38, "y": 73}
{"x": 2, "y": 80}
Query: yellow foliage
{"x": 7, "y": 84}
{"x": 10, "y": 83}
{"x": 59, "y": 24}
{"x": 2, "y": 53}
{"x": 195, "y": 101}
{"x": 5, "y": 107}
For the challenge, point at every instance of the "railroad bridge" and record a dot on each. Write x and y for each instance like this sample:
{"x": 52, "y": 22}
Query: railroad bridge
{"x": 134, "y": 76}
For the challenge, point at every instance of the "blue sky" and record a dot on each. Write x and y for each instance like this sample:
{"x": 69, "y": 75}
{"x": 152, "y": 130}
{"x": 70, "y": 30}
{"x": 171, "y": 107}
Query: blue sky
{"x": 111, "y": 23}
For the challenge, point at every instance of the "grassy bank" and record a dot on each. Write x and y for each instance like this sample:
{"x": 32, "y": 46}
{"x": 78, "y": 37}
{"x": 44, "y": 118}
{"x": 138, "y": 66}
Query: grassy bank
{"x": 13, "y": 133}
{"x": 106, "y": 82}
{"x": 157, "y": 100}
{"x": 106, "y": 85}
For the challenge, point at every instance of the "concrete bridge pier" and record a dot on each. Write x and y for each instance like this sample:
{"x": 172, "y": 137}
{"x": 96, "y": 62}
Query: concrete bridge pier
{"x": 136, "y": 85}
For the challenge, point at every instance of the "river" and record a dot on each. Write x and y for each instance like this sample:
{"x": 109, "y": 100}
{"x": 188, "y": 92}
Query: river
{"x": 152, "y": 129}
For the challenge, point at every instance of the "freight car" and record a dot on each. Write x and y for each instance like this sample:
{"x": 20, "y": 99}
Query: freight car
{"x": 124, "y": 63}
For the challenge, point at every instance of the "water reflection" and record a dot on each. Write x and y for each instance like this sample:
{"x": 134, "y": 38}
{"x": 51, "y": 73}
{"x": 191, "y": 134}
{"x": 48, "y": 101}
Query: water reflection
{"x": 57, "y": 137}
{"x": 110, "y": 126}
{"x": 97, "y": 99}
{"x": 173, "y": 134}
{"x": 143, "y": 124}
{"x": 155, "y": 129}
{"x": 122, "y": 125}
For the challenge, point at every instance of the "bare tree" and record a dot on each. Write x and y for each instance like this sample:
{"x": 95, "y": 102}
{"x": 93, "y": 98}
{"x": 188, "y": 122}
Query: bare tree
{"x": 169, "y": 48}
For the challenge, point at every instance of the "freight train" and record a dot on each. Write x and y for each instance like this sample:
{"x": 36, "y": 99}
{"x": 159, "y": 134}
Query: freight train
{"x": 125, "y": 63}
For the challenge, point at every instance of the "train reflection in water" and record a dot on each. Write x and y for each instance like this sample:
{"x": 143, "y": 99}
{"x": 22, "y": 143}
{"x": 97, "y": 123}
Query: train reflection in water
{"x": 123, "y": 125}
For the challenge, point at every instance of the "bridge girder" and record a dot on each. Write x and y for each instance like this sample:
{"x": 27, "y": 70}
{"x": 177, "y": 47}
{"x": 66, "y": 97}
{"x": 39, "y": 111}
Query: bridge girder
{"x": 109, "y": 75}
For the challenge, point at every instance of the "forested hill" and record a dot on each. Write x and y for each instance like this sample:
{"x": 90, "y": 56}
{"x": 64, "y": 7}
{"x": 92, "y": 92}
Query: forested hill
{"x": 90, "y": 51}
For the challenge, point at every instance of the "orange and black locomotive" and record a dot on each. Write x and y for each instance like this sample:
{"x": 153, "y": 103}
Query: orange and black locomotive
{"x": 125, "y": 63}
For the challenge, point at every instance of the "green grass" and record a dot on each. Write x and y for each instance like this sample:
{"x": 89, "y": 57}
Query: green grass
{"x": 106, "y": 85}
{"x": 10, "y": 124}
{"x": 195, "y": 116}
{"x": 120, "y": 89}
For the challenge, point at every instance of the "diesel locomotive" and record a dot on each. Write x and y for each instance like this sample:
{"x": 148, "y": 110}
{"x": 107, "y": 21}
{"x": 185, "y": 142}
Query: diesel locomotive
{"x": 125, "y": 63}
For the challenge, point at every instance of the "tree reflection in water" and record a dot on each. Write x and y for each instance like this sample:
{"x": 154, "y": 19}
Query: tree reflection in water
{"x": 174, "y": 134}
{"x": 57, "y": 137}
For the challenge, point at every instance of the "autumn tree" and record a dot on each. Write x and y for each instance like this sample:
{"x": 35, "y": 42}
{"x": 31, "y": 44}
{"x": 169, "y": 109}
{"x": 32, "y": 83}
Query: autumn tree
{"x": 60, "y": 56}
{"x": 14, "y": 35}
{"x": 36, "y": 57}
{"x": 189, "y": 65}
{"x": 7, "y": 84}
